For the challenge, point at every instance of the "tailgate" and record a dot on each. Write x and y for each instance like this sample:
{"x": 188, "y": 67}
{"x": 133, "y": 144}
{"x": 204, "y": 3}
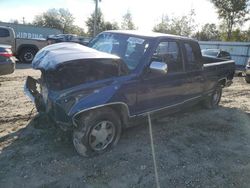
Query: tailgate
{"x": 220, "y": 71}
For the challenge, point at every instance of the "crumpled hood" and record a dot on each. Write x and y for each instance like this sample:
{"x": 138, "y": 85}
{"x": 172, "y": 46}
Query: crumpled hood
{"x": 51, "y": 56}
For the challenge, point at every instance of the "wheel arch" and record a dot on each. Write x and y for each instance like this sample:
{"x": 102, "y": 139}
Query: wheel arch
{"x": 120, "y": 108}
{"x": 222, "y": 82}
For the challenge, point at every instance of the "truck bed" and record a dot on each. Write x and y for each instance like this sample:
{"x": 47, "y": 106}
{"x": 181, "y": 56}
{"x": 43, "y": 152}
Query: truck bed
{"x": 216, "y": 69}
{"x": 208, "y": 60}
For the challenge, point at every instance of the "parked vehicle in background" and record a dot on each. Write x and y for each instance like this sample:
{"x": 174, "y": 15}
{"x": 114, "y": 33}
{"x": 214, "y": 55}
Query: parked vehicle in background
{"x": 7, "y": 61}
{"x": 123, "y": 76}
{"x": 247, "y": 78}
{"x": 24, "y": 49}
{"x": 28, "y": 31}
{"x": 67, "y": 38}
{"x": 218, "y": 53}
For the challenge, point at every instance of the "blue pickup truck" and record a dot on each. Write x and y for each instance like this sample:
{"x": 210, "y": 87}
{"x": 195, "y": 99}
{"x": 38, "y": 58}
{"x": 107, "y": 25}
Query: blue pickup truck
{"x": 99, "y": 90}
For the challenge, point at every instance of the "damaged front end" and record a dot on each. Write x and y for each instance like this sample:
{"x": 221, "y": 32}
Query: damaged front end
{"x": 37, "y": 91}
{"x": 31, "y": 90}
{"x": 72, "y": 78}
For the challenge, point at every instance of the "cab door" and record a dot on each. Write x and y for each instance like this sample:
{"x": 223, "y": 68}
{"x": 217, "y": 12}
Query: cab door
{"x": 158, "y": 90}
{"x": 195, "y": 80}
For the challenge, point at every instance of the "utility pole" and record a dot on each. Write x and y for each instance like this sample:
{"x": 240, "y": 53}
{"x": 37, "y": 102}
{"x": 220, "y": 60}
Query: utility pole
{"x": 95, "y": 20}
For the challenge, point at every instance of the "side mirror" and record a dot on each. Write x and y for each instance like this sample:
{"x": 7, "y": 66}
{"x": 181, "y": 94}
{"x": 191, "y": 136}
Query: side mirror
{"x": 160, "y": 67}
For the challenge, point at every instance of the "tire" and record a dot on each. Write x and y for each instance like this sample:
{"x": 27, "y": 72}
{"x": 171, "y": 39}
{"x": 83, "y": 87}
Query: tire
{"x": 27, "y": 55}
{"x": 247, "y": 78}
{"x": 97, "y": 133}
{"x": 213, "y": 101}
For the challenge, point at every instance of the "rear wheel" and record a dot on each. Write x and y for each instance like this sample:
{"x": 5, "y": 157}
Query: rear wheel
{"x": 27, "y": 55}
{"x": 213, "y": 100}
{"x": 247, "y": 78}
{"x": 99, "y": 131}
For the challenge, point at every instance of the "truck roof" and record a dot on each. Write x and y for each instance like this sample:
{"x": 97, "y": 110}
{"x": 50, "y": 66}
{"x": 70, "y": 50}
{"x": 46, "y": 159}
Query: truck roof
{"x": 53, "y": 55}
{"x": 148, "y": 34}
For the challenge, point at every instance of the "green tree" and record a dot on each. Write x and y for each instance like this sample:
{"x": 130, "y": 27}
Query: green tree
{"x": 99, "y": 23}
{"x": 127, "y": 22}
{"x": 78, "y": 30}
{"x": 163, "y": 26}
{"x": 67, "y": 20}
{"x": 237, "y": 35}
{"x": 246, "y": 35}
{"x": 56, "y": 18}
{"x": 232, "y": 12}
{"x": 183, "y": 25}
{"x": 209, "y": 32}
{"x": 110, "y": 26}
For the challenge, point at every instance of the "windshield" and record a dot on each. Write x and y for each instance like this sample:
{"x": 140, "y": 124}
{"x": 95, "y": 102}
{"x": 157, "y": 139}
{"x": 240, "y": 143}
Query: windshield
{"x": 130, "y": 49}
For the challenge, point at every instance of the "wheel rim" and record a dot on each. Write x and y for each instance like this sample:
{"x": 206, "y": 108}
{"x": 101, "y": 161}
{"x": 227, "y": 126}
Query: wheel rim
{"x": 101, "y": 135}
{"x": 28, "y": 56}
{"x": 216, "y": 96}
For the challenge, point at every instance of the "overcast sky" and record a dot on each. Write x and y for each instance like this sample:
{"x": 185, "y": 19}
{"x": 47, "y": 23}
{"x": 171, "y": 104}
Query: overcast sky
{"x": 145, "y": 13}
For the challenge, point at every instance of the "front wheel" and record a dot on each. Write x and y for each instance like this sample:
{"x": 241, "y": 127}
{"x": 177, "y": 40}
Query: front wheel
{"x": 213, "y": 100}
{"x": 99, "y": 131}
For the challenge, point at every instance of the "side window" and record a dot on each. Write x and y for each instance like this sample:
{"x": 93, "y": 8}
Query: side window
{"x": 4, "y": 32}
{"x": 192, "y": 56}
{"x": 169, "y": 52}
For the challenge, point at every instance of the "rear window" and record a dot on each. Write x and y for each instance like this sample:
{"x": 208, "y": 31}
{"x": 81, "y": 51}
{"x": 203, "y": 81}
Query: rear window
{"x": 193, "y": 56}
{"x": 82, "y": 71}
{"x": 190, "y": 53}
{"x": 4, "y": 32}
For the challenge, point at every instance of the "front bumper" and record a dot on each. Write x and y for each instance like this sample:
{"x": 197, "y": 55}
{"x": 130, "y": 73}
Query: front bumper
{"x": 31, "y": 90}
{"x": 53, "y": 110}
{"x": 7, "y": 68}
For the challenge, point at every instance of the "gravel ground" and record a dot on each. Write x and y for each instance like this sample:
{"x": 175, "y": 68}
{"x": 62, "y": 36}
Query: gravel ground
{"x": 198, "y": 148}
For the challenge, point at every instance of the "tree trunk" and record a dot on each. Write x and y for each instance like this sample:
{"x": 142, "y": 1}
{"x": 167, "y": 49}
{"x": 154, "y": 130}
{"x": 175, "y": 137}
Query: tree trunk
{"x": 230, "y": 28}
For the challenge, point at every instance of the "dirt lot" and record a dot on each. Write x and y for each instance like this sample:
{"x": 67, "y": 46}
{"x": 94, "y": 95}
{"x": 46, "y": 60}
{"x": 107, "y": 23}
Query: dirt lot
{"x": 198, "y": 148}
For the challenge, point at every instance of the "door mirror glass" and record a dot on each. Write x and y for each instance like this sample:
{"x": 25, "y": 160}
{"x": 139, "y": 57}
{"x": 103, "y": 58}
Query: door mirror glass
{"x": 160, "y": 67}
